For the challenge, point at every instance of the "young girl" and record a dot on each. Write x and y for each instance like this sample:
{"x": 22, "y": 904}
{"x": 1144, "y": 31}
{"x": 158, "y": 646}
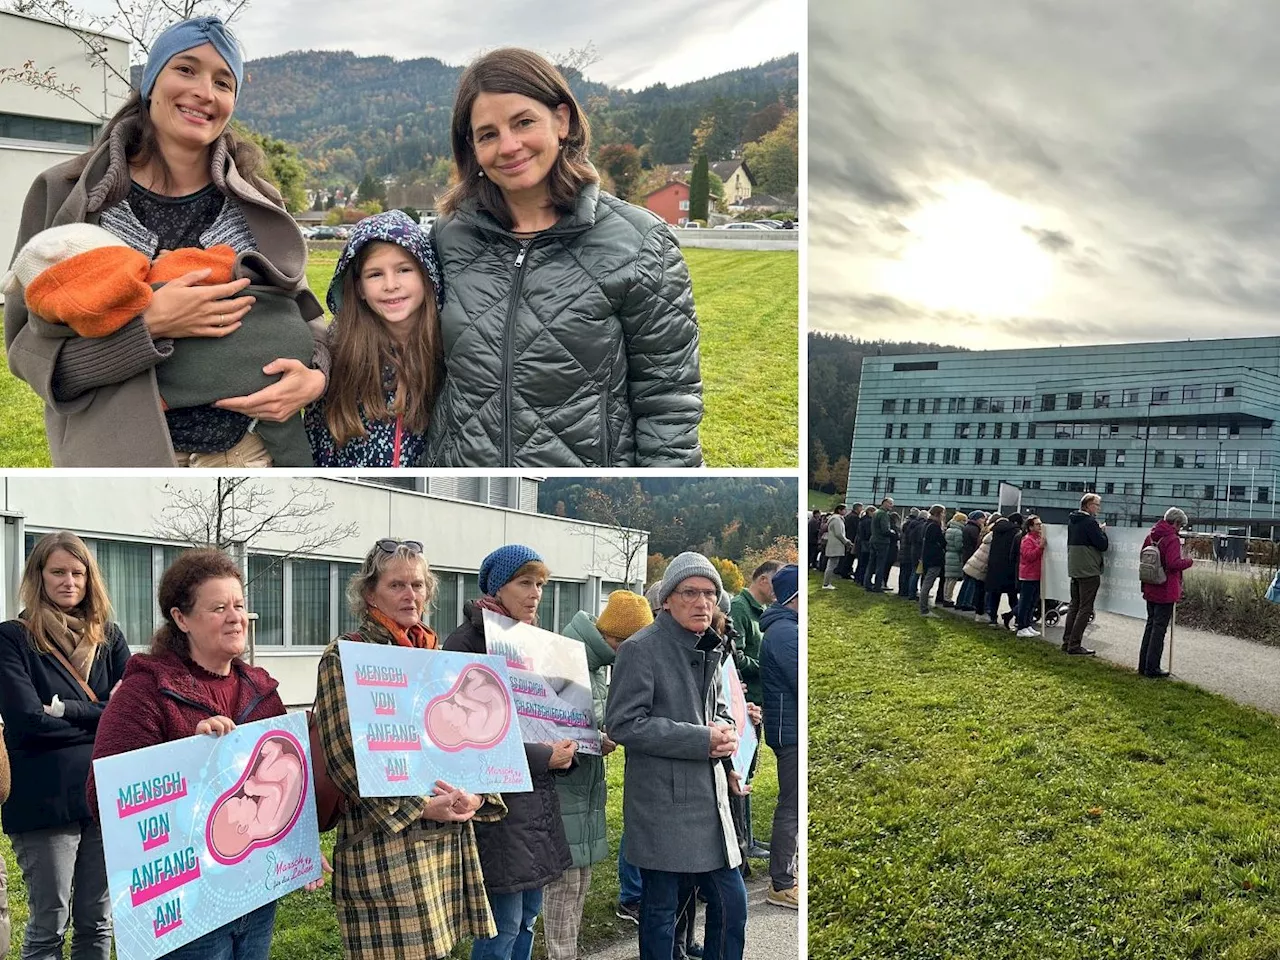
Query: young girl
{"x": 385, "y": 298}
{"x": 1031, "y": 559}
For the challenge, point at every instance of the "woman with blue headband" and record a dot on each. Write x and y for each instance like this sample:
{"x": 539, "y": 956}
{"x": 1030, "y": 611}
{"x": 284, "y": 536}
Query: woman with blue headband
{"x": 167, "y": 174}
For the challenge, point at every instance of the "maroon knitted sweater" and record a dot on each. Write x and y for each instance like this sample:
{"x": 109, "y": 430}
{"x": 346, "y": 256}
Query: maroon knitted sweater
{"x": 160, "y": 700}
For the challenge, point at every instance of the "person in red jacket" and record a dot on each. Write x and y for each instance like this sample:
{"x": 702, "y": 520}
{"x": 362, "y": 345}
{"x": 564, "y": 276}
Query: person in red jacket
{"x": 1030, "y": 563}
{"x": 1161, "y": 597}
{"x": 193, "y": 682}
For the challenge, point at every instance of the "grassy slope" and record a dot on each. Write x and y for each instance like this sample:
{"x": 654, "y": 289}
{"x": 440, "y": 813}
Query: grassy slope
{"x": 975, "y": 796}
{"x": 306, "y": 927}
{"x": 748, "y": 311}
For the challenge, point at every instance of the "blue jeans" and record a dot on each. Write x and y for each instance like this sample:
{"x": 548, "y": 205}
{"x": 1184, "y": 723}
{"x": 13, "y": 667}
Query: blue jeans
{"x": 248, "y": 938}
{"x": 514, "y": 914}
{"x": 1028, "y": 600}
{"x": 628, "y": 875}
{"x": 726, "y": 912}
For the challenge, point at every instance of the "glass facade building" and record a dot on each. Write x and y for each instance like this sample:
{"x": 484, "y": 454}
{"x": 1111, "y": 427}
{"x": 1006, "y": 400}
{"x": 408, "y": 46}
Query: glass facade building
{"x": 1147, "y": 425}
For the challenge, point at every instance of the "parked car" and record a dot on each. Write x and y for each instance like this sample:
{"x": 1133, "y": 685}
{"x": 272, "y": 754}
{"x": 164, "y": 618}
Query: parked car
{"x": 691, "y": 225}
{"x": 770, "y": 224}
{"x": 326, "y": 233}
{"x": 741, "y": 226}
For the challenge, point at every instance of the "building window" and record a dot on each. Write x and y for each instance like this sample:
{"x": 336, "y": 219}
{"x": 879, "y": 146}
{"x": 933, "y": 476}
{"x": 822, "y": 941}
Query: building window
{"x": 1076, "y": 486}
{"x": 1048, "y": 401}
{"x": 1179, "y": 460}
{"x": 902, "y": 431}
{"x": 923, "y": 484}
{"x": 888, "y": 431}
{"x": 1264, "y": 494}
{"x": 1097, "y": 458}
{"x": 1013, "y": 431}
{"x": 1120, "y": 455}
{"x": 1101, "y": 398}
{"x": 964, "y": 487}
{"x": 684, "y": 206}
{"x": 1128, "y": 398}
{"x": 1242, "y": 458}
{"x": 902, "y": 454}
{"x": 884, "y": 455}
{"x": 888, "y": 406}
{"x": 1061, "y": 457}
{"x": 1192, "y": 393}
{"x": 1234, "y": 431}
{"x": 126, "y": 568}
{"x": 1236, "y": 493}
{"x": 1109, "y": 488}
{"x": 995, "y": 456}
{"x": 977, "y": 455}
{"x": 997, "y": 431}
{"x": 1209, "y": 492}
{"x": 889, "y": 484}
{"x": 1022, "y": 456}
{"x": 1040, "y": 458}
{"x": 953, "y": 404}
{"x": 1130, "y": 488}
{"x": 937, "y": 404}
{"x": 962, "y": 431}
{"x": 986, "y": 487}
{"x": 1200, "y": 459}
{"x": 1159, "y": 395}
{"x": 15, "y": 127}
{"x": 310, "y": 603}
{"x": 1202, "y": 431}
{"x": 266, "y": 598}
{"x": 1031, "y": 431}
{"x": 1079, "y": 458}
{"x": 982, "y": 431}
{"x": 943, "y": 484}
{"x": 1177, "y": 432}
{"x": 915, "y": 455}
{"x": 981, "y": 405}
{"x": 997, "y": 405}
{"x": 1224, "y": 391}
{"x": 1075, "y": 401}
{"x": 931, "y": 456}
{"x": 928, "y": 431}
{"x": 1158, "y": 458}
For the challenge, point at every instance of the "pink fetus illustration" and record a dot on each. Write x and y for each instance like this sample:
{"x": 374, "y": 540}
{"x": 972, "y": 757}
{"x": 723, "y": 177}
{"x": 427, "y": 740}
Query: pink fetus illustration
{"x": 263, "y": 805}
{"x": 474, "y": 713}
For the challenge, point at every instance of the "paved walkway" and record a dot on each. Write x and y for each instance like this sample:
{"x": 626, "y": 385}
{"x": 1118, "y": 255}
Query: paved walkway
{"x": 1241, "y": 670}
{"x": 773, "y": 933}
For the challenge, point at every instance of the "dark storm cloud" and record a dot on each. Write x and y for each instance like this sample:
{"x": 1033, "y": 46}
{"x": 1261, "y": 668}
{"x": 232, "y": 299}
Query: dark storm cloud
{"x": 1146, "y": 132}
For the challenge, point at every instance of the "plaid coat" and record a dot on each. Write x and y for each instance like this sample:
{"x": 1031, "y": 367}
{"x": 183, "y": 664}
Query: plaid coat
{"x": 411, "y": 888}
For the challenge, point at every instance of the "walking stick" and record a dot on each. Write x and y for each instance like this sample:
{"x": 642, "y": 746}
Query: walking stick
{"x": 1172, "y": 622}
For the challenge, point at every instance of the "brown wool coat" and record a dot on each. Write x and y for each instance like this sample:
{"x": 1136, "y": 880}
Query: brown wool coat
{"x": 120, "y": 421}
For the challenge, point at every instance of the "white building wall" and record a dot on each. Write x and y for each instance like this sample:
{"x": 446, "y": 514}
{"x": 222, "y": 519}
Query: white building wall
{"x": 457, "y": 536}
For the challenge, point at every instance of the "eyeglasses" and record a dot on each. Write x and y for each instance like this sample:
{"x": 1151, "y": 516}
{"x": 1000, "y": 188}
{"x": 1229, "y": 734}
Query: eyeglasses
{"x": 690, "y": 594}
{"x": 387, "y": 545}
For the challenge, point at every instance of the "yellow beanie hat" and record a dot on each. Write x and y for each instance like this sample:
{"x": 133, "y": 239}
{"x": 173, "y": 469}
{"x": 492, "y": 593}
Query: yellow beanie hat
{"x": 624, "y": 614}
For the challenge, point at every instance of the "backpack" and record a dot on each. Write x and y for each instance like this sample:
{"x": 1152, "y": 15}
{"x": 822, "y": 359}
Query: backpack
{"x": 331, "y": 803}
{"x": 1151, "y": 565}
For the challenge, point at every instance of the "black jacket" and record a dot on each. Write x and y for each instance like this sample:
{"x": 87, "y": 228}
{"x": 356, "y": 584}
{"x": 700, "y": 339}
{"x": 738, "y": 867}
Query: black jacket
{"x": 50, "y": 756}
{"x": 934, "y": 548}
{"x": 912, "y": 534}
{"x": 864, "y": 534}
{"x": 1002, "y": 565}
{"x": 527, "y": 848}
{"x": 972, "y": 539}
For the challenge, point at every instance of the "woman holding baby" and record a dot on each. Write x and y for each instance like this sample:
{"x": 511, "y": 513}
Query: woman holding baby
{"x": 194, "y": 682}
{"x": 407, "y": 880}
{"x": 171, "y": 210}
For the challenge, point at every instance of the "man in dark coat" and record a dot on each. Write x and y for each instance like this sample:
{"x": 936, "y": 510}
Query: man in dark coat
{"x": 845, "y": 569}
{"x": 863, "y": 543}
{"x": 780, "y": 670}
{"x": 668, "y": 711}
{"x": 815, "y": 538}
{"x": 1002, "y": 566}
{"x": 909, "y": 555}
{"x": 1086, "y": 543}
{"x": 883, "y": 536}
{"x": 971, "y": 596}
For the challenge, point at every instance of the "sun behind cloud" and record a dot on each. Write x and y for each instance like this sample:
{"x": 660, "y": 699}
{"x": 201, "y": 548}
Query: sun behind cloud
{"x": 969, "y": 252}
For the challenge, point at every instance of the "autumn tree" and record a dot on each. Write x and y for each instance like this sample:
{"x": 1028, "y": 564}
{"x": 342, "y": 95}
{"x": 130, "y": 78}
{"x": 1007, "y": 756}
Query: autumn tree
{"x": 622, "y": 163}
{"x": 840, "y": 475}
{"x": 775, "y": 158}
{"x": 763, "y": 121}
{"x": 731, "y": 577}
{"x": 782, "y": 549}
{"x": 655, "y": 568}
{"x": 285, "y": 168}
{"x": 819, "y": 467}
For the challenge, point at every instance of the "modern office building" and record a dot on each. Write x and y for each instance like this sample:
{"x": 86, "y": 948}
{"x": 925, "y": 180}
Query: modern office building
{"x": 40, "y": 127}
{"x": 1146, "y": 425}
{"x": 298, "y": 598}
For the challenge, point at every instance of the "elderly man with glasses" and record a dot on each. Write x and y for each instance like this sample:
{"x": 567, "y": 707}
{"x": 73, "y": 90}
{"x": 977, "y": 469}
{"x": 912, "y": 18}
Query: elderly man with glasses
{"x": 668, "y": 711}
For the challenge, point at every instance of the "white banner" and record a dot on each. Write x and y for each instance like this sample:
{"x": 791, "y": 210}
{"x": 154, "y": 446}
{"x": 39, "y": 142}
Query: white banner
{"x": 1121, "y": 591}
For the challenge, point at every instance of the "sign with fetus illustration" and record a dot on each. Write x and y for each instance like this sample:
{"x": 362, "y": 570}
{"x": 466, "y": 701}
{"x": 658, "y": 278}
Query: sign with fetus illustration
{"x": 418, "y": 716}
{"x": 549, "y": 679}
{"x": 201, "y": 831}
{"x": 748, "y": 742}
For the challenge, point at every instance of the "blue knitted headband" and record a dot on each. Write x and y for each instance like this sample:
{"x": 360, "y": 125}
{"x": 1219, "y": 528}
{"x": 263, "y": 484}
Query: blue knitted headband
{"x": 187, "y": 35}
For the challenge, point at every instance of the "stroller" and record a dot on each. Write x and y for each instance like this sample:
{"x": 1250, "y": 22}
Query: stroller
{"x": 1056, "y": 610}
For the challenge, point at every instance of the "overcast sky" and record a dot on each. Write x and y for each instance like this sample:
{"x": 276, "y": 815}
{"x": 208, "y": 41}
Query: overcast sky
{"x": 639, "y": 44}
{"x": 990, "y": 173}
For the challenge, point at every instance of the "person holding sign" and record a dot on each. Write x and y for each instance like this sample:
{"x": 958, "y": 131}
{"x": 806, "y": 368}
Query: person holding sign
{"x": 1162, "y": 596}
{"x": 59, "y": 663}
{"x": 407, "y": 878}
{"x": 582, "y": 792}
{"x": 527, "y": 850}
{"x": 193, "y": 682}
{"x": 667, "y": 708}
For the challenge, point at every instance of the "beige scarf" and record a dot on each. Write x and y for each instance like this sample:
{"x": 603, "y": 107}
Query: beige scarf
{"x": 74, "y": 643}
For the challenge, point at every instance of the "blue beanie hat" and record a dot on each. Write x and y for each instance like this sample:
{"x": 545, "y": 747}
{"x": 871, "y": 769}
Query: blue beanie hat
{"x": 499, "y": 567}
{"x": 394, "y": 226}
{"x": 977, "y": 515}
{"x": 786, "y": 583}
{"x": 187, "y": 35}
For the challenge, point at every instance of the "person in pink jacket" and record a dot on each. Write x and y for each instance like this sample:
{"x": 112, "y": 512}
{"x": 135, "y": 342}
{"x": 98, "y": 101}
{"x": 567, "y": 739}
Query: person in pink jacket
{"x": 1161, "y": 597}
{"x": 1030, "y": 559}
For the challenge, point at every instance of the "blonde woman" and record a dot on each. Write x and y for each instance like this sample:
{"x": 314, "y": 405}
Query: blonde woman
{"x": 60, "y": 661}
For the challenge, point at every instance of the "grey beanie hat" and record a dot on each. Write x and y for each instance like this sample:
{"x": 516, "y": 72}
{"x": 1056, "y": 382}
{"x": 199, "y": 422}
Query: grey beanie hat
{"x": 684, "y": 566}
{"x": 725, "y": 603}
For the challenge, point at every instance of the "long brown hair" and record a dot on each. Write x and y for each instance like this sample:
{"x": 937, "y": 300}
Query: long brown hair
{"x": 41, "y": 615}
{"x": 515, "y": 70}
{"x": 362, "y": 345}
{"x": 141, "y": 147}
{"x": 178, "y": 589}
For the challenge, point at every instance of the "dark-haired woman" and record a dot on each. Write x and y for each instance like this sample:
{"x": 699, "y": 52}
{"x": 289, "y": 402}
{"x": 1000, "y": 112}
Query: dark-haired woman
{"x": 194, "y": 682}
{"x": 166, "y": 174}
{"x": 59, "y": 662}
{"x": 569, "y": 331}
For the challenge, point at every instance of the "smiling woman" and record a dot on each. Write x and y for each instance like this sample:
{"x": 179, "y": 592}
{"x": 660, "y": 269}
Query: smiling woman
{"x": 970, "y": 252}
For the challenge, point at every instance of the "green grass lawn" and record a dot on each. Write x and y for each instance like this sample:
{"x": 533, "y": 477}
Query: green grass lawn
{"x": 306, "y": 927}
{"x": 749, "y": 316}
{"x": 976, "y": 796}
{"x": 823, "y": 501}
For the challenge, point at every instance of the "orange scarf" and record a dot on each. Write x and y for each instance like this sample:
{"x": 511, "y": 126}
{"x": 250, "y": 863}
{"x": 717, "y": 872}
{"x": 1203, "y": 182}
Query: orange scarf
{"x": 420, "y": 636}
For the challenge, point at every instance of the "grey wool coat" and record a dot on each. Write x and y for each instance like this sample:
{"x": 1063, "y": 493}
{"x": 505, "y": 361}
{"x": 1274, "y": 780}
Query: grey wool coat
{"x": 664, "y": 692}
{"x": 101, "y": 399}
{"x": 575, "y": 348}
{"x": 836, "y": 537}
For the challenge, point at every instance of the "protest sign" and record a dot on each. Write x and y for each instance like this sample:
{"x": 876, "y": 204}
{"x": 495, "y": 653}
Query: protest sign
{"x": 418, "y": 716}
{"x": 549, "y": 679}
{"x": 748, "y": 742}
{"x": 1120, "y": 590}
{"x": 201, "y": 831}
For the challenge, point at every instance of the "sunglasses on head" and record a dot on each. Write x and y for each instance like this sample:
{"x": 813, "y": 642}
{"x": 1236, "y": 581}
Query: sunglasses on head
{"x": 388, "y": 545}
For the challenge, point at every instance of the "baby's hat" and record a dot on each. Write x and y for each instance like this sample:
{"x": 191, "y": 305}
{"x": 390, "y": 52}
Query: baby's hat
{"x": 50, "y": 247}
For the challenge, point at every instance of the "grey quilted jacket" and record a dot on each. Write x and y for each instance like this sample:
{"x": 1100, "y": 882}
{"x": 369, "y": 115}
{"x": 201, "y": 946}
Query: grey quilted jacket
{"x": 576, "y": 348}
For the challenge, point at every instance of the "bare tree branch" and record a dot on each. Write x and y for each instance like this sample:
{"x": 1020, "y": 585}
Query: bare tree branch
{"x": 627, "y": 516}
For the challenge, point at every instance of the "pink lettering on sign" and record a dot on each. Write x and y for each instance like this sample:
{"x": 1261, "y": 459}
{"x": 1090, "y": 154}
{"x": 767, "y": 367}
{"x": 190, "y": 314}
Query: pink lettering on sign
{"x": 397, "y": 777}
{"x": 152, "y": 842}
